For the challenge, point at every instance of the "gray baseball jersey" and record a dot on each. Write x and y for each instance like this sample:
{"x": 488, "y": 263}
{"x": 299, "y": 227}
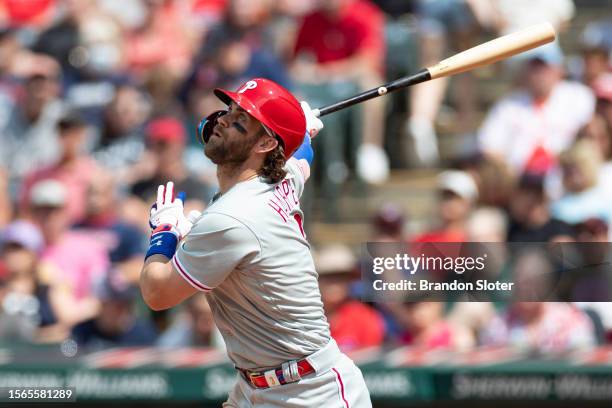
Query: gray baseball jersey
{"x": 249, "y": 246}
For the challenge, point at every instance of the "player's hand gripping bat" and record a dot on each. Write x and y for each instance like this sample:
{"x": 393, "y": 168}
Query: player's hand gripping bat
{"x": 478, "y": 56}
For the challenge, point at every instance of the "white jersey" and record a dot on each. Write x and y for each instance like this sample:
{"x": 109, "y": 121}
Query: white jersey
{"x": 249, "y": 253}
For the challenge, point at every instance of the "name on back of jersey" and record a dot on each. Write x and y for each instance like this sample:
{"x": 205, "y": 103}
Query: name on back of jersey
{"x": 284, "y": 199}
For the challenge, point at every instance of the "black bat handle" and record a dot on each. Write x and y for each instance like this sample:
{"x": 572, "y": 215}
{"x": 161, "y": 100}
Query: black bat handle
{"x": 421, "y": 76}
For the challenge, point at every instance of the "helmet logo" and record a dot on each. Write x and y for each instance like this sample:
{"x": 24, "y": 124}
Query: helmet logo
{"x": 247, "y": 86}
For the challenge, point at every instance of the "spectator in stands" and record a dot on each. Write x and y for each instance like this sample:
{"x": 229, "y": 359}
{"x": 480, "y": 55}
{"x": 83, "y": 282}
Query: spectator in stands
{"x": 596, "y": 46}
{"x": 20, "y": 243}
{"x": 457, "y": 194}
{"x": 193, "y": 328}
{"x": 352, "y": 324}
{"x": 245, "y": 19}
{"x": 235, "y": 49}
{"x": 531, "y": 126}
{"x": 600, "y": 134}
{"x": 28, "y": 137}
{"x": 530, "y": 324}
{"x": 85, "y": 40}
{"x": 116, "y": 325}
{"x": 166, "y": 140}
{"x": 457, "y": 23}
{"x": 121, "y": 147}
{"x": 423, "y": 324}
{"x": 583, "y": 198}
{"x": 530, "y": 217}
{"x": 541, "y": 327}
{"x": 228, "y": 57}
{"x": 441, "y": 23}
{"x": 124, "y": 242}
{"x": 73, "y": 260}
{"x": 500, "y": 17}
{"x": 388, "y": 224}
{"x": 74, "y": 169}
{"x": 43, "y": 312}
{"x": 162, "y": 39}
{"x": 343, "y": 40}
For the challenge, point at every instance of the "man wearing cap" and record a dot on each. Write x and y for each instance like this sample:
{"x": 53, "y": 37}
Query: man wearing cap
{"x": 530, "y": 127}
{"x": 248, "y": 252}
{"x": 457, "y": 194}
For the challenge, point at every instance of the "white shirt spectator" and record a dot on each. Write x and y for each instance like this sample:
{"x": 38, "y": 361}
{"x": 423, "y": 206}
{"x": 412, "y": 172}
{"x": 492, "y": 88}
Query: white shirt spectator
{"x": 518, "y": 14}
{"x": 515, "y": 127}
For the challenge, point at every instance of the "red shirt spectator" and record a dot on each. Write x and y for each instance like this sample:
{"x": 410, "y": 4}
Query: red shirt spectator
{"x": 357, "y": 28}
{"x": 355, "y": 325}
{"x": 352, "y": 324}
{"x": 163, "y": 41}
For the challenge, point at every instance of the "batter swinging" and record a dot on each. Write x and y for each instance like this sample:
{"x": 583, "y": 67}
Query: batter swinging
{"x": 249, "y": 254}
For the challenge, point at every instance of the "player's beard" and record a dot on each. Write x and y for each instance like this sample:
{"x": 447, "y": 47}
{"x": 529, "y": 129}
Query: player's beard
{"x": 223, "y": 150}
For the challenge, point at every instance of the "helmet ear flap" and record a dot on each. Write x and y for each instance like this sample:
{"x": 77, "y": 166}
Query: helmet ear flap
{"x": 206, "y": 126}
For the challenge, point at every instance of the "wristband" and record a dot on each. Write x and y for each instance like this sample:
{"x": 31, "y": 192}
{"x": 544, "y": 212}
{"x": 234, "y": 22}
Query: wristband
{"x": 305, "y": 150}
{"x": 163, "y": 242}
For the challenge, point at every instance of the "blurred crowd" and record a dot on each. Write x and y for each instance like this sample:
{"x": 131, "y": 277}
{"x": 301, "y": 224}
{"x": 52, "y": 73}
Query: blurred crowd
{"x": 99, "y": 100}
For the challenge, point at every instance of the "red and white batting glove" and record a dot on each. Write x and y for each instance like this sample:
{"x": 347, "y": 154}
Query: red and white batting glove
{"x": 313, "y": 123}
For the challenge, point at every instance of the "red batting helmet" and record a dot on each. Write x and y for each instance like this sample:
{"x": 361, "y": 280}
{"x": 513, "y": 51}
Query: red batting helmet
{"x": 269, "y": 103}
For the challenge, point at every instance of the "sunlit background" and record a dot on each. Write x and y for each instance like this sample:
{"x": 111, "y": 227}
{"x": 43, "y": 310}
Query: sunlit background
{"x": 99, "y": 101}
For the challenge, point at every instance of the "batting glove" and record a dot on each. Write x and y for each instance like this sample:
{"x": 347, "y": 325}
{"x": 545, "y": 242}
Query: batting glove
{"x": 168, "y": 210}
{"x": 313, "y": 123}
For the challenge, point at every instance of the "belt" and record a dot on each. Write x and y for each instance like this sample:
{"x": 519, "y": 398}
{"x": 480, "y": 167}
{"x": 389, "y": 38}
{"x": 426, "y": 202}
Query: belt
{"x": 289, "y": 372}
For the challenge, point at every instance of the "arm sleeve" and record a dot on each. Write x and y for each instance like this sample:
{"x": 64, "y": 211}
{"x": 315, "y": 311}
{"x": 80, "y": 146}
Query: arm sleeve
{"x": 217, "y": 245}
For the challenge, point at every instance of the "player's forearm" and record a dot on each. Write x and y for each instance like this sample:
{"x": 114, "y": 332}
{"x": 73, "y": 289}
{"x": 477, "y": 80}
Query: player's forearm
{"x": 153, "y": 277}
{"x": 161, "y": 286}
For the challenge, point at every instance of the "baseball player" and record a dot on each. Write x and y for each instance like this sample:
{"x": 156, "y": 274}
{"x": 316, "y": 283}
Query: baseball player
{"x": 249, "y": 254}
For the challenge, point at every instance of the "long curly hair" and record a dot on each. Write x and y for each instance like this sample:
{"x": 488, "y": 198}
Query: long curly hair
{"x": 273, "y": 168}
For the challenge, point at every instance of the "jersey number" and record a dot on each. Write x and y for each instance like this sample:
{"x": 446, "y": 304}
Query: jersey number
{"x": 298, "y": 219}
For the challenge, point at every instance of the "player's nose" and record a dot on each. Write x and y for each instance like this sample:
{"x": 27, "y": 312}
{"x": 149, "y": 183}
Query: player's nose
{"x": 223, "y": 120}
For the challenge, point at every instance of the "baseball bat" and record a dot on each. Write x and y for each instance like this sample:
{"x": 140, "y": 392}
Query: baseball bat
{"x": 478, "y": 56}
